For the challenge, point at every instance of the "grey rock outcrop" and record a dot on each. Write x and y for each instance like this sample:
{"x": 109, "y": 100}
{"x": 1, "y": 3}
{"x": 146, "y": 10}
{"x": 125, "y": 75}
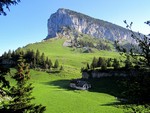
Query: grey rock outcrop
{"x": 65, "y": 20}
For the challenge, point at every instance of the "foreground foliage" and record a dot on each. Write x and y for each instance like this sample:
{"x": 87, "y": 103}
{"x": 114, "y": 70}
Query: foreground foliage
{"x": 6, "y": 4}
{"x": 20, "y": 94}
{"x": 138, "y": 84}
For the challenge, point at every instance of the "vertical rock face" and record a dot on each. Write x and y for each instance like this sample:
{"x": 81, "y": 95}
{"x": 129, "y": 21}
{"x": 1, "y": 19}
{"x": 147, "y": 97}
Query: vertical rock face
{"x": 71, "y": 20}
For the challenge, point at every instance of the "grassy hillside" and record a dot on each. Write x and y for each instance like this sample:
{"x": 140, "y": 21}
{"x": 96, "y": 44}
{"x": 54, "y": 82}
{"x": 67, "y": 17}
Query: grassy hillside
{"x": 52, "y": 90}
{"x": 54, "y": 49}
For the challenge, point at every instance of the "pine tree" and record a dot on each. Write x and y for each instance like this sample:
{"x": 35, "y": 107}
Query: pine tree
{"x": 94, "y": 63}
{"x": 88, "y": 66}
{"x": 37, "y": 56}
{"x": 50, "y": 63}
{"x": 42, "y": 60}
{"x": 128, "y": 63}
{"x": 100, "y": 61}
{"x": 21, "y": 93}
{"x": 34, "y": 59}
{"x": 116, "y": 64}
{"x": 46, "y": 63}
{"x": 56, "y": 64}
{"x": 9, "y": 54}
{"x": 4, "y": 55}
{"x": 61, "y": 68}
{"x": 13, "y": 55}
{"x": 47, "y": 59}
{"x": 104, "y": 64}
{"x": 109, "y": 62}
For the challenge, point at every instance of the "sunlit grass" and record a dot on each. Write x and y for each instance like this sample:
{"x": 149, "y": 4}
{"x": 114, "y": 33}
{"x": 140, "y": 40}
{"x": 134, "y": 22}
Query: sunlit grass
{"x": 68, "y": 56}
{"x": 52, "y": 90}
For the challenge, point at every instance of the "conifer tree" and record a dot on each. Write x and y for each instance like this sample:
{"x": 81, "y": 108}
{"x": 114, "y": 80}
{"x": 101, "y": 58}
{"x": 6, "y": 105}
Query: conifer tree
{"x": 100, "y": 61}
{"x": 47, "y": 63}
{"x": 47, "y": 59}
{"x": 88, "y": 66}
{"x": 13, "y": 55}
{"x": 21, "y": 93}
{"x": 37, "y": 56}
{"x": 56, "y": 64}
{"x": 9, "y": 54}
{"x": 50, "y": 63}
{"x": 104, "y": 64}
{"x": 109, "y": 62}
{"x": 61, "y": 68}
{"x": 94, "y": 63}
{"x": 116, "y": 64}
{"x": 42, "y": 60}
{"x": 4, "y": 55}
{"x": 34, "y": 59}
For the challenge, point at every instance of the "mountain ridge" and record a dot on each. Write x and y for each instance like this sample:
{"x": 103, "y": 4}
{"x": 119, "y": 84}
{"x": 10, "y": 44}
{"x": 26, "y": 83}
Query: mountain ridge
{"x": 65, "y": 20}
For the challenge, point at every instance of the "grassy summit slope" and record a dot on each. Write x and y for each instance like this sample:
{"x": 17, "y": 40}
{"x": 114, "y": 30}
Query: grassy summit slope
{"x": 54, "y": 49}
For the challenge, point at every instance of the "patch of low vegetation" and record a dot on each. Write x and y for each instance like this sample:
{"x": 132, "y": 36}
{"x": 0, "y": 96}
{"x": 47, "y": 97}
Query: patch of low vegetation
{"x": 87, "y": 42}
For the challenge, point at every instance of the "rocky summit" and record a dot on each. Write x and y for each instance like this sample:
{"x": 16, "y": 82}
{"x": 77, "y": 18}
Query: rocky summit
{"x": 65, "y": 21}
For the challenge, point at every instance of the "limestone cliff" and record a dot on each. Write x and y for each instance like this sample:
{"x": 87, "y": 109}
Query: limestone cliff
{"x": 66, "y": 20}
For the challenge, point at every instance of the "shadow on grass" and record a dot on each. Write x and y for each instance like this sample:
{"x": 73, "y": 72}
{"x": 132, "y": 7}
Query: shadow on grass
{"x": 63, "y": 84}
{"x": 112, "y": 86}
{"x": 108, "y": 85}
{"x": 54, "y": 72}
{"x": 114, "y": 104}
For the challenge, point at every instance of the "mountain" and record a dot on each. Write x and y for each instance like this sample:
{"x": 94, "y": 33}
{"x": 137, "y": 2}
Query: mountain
{"x": 66, "y": 21}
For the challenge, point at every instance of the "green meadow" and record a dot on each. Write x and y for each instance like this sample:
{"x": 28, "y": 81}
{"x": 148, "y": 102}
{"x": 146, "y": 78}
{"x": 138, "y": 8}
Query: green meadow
{"x": 52, "y": 89}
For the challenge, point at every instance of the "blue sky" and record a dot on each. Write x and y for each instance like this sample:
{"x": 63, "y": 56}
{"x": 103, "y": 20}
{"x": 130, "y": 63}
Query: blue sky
{"x": 27, "y": 22}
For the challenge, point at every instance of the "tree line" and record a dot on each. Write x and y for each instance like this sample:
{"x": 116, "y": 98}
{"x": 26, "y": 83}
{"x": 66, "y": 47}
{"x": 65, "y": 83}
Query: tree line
{"x": 104, "y": 64}
{"x": 111, "y": 63}
{"x": 34, "y": 58}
